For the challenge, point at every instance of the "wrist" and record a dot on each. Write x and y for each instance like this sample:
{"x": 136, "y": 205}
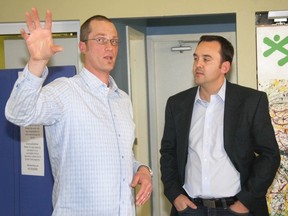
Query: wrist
{"x": 37, "y": 67}
{"x": 147, "y": 168}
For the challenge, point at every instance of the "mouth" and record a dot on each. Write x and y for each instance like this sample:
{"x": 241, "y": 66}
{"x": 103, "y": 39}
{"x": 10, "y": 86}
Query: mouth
{"x": 199, "y": 73}
{"x": 109, "y": 58}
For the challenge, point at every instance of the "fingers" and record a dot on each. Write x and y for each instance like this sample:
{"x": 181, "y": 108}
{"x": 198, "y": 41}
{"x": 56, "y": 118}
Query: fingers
{"x": 192, "y": 205}
{"x": 29, "y": 22}
{"x": 23, "y": 34}
{"x": 33, "y": 20}
{"x": 135, "y": 181}
{"x": 144, "y": 193}
{"x": 48, "y": 20}
{"x": 144, "y": 180}
{"x": 56, "y": 49}
{"x": 182, "y": 201}
{"x": 239, "y": 208}
{"x": 143, "y": 197}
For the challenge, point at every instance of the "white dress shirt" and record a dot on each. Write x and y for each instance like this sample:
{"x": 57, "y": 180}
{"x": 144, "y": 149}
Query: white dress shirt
{"x": 209, "y": 171}
{"x": 90, "y": 132}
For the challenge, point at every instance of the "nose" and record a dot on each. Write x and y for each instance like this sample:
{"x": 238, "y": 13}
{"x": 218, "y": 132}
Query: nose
{"x": 109, "y": 46}
{"x": 197, "y": 63}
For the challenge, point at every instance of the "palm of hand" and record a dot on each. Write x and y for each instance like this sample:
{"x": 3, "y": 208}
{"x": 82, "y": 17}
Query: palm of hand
{"x": 40, "y": 44}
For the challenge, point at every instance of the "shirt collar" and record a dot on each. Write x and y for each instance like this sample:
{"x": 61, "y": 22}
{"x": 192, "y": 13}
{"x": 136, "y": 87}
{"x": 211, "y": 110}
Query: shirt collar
{"x": 221, "y": 92}
{"x": 94, "y": 82}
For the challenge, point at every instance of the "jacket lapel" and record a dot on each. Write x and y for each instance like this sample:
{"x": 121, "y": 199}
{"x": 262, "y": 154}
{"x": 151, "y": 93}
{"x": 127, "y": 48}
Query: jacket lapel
{"x": 231, "y": 117}
{"x": 184, "y": 121}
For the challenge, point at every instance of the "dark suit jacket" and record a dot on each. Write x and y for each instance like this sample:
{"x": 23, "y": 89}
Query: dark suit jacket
{"x": 249, "y": 141}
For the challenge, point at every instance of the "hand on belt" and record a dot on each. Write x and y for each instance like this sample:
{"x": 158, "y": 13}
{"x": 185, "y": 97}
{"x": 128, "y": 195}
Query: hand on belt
{"x": 214, "y": 203}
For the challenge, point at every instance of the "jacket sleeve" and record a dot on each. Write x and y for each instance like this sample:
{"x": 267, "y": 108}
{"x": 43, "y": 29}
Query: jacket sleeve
{"x": 265, "y": 164}
{"x": 168, "y": 161}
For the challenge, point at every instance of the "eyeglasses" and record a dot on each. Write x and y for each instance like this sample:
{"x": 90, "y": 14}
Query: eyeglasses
{"x": 104, "y": 41}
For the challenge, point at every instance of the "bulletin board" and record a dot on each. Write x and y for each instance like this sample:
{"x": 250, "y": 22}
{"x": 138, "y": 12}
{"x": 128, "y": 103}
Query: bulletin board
{"x": 272, "y": 64}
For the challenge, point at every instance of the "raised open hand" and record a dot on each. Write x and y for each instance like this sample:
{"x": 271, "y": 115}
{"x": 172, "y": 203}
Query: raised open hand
{"x": 39, "y": 41}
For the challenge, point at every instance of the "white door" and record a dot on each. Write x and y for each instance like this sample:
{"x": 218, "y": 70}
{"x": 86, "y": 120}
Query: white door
{"x": 169, "y": 73}
{"x": 138, "y": 92}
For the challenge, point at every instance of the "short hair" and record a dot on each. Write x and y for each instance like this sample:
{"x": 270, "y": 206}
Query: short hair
{"x": 85, "y": 29}
{"x": 227, "y": 50}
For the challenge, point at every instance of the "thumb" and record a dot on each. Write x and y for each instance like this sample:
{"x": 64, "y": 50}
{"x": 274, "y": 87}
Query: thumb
{"x": 191, "y": 205}
{"x": 57, "y": 48}
{"x": 134, "y": 181}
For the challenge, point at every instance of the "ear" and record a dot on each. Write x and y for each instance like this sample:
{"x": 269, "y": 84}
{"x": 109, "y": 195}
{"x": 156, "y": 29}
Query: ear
{"x": 82, "y": 47}
{"x": 225, "y": 67}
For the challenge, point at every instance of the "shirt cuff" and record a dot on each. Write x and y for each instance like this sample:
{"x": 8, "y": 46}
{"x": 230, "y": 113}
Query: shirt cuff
{"x": 32, "y": 80}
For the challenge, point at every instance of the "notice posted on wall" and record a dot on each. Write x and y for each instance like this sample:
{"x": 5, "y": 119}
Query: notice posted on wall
{"x": 32, "y": 150}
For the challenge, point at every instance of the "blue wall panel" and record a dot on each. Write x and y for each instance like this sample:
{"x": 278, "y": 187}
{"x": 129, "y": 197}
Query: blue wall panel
{"x": 22, "y": 195}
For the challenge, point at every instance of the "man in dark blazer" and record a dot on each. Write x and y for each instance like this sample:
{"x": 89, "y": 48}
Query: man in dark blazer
{"x": 219, "y": 154}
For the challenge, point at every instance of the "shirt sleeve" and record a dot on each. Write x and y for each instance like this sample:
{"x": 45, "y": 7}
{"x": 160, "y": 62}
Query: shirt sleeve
{"x": 28, "y": 103}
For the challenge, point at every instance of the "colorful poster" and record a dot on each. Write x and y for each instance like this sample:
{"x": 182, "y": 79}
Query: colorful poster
{"x": 272, "y": 68}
